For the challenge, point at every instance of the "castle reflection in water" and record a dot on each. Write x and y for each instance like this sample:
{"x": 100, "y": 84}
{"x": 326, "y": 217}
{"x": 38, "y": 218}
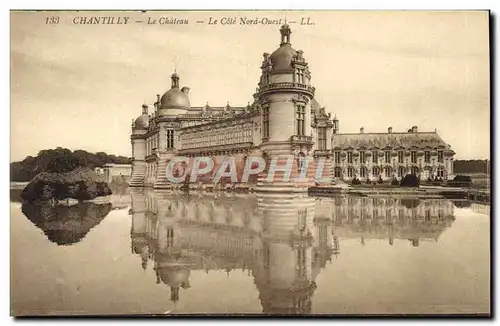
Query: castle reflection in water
{"x": 283, "y": 241}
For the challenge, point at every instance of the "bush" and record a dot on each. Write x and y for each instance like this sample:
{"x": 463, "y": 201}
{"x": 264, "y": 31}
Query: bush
{"x": 461, "y": 181}
{"x": 380, "y": 179}
{"x": 81, "y": 184}
{"x": 355, "y": 181}
{"x": 395, "y": 182}
{"x": 410, "y": 180}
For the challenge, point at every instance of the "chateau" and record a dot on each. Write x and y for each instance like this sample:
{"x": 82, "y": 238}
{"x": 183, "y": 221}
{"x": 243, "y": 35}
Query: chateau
{"x": 285, "y": 119}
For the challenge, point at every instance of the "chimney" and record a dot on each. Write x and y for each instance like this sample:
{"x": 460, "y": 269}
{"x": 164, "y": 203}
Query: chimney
{"x": 186, "y": 90}
{"x": 362, "y": 130}
{"x": 414, "y": 129}
{"x": 389, "y": 130}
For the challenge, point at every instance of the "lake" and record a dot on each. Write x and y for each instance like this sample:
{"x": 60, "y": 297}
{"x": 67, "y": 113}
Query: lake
{"x": 152, "y": 252}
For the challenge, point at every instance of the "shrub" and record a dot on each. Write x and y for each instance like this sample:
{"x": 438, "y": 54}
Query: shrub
{"x": 355, "y": 181}
{"x": 395, "y": 182}
{"x": 380, "y": 179}
{"x": 410, "y": 180}
{"x": 461, "y": 181}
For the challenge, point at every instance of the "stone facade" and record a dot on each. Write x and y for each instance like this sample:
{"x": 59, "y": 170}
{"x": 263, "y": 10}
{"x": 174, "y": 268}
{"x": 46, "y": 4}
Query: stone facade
{"x": 281, "y": 121}
{"x": 284, "y": 120}
{"x": 391, "y": 155}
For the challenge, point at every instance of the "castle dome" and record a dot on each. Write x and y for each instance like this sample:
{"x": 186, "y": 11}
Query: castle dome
{"x": 282, "y": 57}
{"x": 142, "y": 122}
{"x": 175, "y": 101}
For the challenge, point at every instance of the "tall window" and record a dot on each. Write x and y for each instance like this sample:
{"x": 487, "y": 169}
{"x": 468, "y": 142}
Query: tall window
{"x": 375, "y": 171}
{"x": 265, "y": 122}
{"x": 440, "y": 172}
{"x": 401, "y": 155}
{"x": 387, "y": 157}
{"x": 300, "y": 76}
{"x": 413, "y": 155}
{"x": 338, "y": 172}
{"x": 387, "y": 171}
{"x": 375, "y": 157}
{"x": 300, "y": 118}
{"x": 401, "y": 171}
{"x": 362, "y": 172}
{"x": 170, "y": 138}
{"x": 350, "y": 172}
{"x": 440, "y": 156}
{"x": 349, "y": 157}
{"x": 427, "y": 157}
{"x": 362, "y": 157}
{"x": 322, "y": 138}
{"x": 336, "y": 156}
{"x": 414, "y": 170}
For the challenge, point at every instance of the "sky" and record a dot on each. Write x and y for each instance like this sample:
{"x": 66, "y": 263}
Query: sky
{"x": 79, "y": 86}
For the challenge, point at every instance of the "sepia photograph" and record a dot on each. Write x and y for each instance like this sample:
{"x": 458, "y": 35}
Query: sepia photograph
{"x": 250, "y": 163}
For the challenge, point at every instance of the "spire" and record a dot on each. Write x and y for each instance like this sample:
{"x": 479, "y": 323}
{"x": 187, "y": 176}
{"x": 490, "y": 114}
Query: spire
{"x": 144, "y": 109}
{"x": 175, "y": 80}
{"x": 285, "y": 34}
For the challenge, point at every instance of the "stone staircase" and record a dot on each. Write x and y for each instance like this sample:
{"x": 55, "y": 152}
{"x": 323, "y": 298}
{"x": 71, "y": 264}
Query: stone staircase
{"x": 161, "y": 181}
{"x": 137, "y": 179}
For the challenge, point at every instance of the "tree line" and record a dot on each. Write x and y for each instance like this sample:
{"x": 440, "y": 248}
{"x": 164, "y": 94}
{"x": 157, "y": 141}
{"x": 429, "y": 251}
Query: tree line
{"x": 26, "y": 169}
{"x": 471, "y": 166}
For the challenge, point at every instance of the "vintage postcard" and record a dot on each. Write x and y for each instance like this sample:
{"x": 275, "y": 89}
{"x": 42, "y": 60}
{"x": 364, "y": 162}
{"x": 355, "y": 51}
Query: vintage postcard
{"x": 240, "y": 163}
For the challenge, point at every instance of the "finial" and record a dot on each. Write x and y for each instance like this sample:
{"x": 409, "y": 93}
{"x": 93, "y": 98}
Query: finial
{"x": 285, "y": 34}
{"x": 175, "y": 80}
{"x": 144, "y": 108}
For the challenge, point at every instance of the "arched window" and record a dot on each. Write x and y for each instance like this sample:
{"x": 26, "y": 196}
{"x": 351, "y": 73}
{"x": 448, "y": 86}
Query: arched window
{"x": 337, "y": 172}
{"x": 363, "y": 173}
{"x": 387, "y": 171}
{"x": 350, "y": 172}
{"x": 440, "y": 172}
{"x": 414, "y": 170}
{"x": 401, "y": 171}
{"x": 375, "y": 171}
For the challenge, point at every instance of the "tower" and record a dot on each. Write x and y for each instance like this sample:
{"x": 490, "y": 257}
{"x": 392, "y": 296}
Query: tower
{"x": 171, "y": 105}
{"x": 140, "y": 128}
{"x": 285, "y": 94}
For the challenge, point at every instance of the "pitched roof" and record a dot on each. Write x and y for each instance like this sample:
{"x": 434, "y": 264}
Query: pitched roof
{"x": 393, "y": 140}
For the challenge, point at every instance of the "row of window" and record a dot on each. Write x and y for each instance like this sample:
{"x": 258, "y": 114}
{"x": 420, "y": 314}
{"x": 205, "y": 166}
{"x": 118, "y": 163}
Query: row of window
{"x": 402, "y": 171}
{"x": 223, "y": 137}
{"x": 387, "y": 156}
{"x": 402, "y": 214}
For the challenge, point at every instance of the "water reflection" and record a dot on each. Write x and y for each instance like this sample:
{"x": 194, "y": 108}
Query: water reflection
{"x": 390, "y": 218}
{"x": 66, "y": 225}
{"x": 283, "y": 241}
